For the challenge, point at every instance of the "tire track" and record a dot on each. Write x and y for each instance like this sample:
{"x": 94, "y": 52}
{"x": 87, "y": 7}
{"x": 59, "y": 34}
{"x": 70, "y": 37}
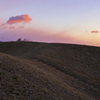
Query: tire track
{"x": 68, "y": 74}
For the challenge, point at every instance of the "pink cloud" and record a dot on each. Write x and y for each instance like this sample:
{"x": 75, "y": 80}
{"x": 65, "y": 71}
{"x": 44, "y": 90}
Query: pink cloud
{"x": 12, "y": 28}
{"x": 94, "y": 31}
{"x": 17, "y": 19}
{"x": 21, "y": 27}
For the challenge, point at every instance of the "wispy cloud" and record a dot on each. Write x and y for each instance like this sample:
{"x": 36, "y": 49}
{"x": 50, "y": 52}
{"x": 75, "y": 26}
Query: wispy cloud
{"x": 12, "y": 28}
{"x": 3, "y": 24}
{"x": 17, "y": 19}
{"x": 21, "y": 27}
{"x": 94, "y": 31}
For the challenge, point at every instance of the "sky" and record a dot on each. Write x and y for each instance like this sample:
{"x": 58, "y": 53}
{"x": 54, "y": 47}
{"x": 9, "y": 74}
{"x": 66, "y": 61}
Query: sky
{"x": 59, "y": 21}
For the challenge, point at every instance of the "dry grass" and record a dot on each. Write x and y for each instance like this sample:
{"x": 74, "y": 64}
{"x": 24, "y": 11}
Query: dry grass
{"x": 49, "y": 71}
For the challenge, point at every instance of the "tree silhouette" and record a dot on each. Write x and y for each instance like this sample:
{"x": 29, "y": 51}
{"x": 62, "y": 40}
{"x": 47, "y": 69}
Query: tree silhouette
{"x": 19, "y": 40}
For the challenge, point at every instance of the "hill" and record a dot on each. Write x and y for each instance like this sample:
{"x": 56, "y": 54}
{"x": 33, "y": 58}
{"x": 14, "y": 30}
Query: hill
{"x": 64, "y": 71}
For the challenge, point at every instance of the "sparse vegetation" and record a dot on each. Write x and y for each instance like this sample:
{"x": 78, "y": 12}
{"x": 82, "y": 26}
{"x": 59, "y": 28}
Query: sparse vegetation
{"x": 19, "y": 40}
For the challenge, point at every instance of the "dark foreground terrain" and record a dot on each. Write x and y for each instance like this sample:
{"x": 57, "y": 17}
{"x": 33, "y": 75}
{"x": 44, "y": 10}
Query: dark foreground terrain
{"x": 42, "y": 71}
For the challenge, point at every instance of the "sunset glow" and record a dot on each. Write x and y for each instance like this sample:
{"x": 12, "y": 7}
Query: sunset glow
{"x": 64, "y": 21}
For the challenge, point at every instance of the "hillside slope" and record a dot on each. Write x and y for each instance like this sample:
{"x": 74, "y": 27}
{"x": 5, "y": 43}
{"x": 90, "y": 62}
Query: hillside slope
{"x": 75, "y": 67}
{"x": 24, "y": 81}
